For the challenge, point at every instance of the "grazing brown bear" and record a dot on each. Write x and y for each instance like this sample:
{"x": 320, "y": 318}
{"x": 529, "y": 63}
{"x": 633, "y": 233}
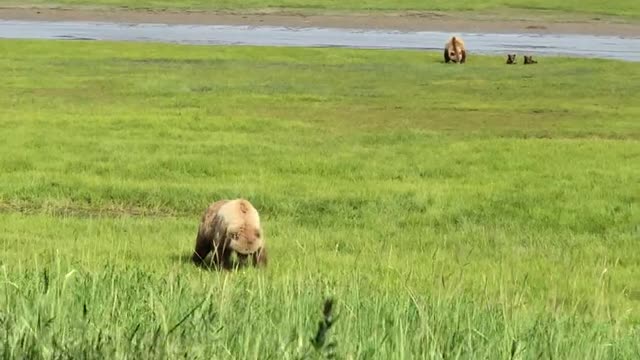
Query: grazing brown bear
{"x": 229, "y": 226}
{"x": 529, "y": 60}
{"x": 511, "y": 59}
{"x": 455, "y": 51}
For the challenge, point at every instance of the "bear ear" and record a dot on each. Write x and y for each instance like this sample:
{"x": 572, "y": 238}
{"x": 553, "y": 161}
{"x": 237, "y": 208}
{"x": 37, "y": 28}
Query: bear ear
{"x": 243, "y": 207}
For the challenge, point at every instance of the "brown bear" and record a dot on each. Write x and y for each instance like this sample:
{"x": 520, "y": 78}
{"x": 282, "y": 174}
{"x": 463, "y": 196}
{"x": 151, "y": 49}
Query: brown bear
{"x": 229, "y": 226}
{"x": 455, "y": 51}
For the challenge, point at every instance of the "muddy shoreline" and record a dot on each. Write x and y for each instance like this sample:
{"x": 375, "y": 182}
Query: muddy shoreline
{"x": 401, "y": 21}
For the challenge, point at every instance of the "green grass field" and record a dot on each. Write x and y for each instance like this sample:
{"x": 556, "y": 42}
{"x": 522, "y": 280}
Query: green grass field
{"x": 626, "y": 8}
{"x": 480, "y": 211}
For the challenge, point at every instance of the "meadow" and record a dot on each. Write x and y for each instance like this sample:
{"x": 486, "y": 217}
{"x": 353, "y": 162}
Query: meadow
{"x": 476, "y": 211}
{"x": 624, "y": 8}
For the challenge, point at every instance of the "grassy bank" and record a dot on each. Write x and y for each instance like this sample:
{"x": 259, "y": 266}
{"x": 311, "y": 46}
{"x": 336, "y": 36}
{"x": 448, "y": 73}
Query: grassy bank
{"x": 625, "y": 8}
{"x": 481, "y": 210}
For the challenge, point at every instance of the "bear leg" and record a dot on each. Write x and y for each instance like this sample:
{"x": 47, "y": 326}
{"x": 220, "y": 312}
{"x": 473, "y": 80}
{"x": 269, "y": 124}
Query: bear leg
{"x": 203, "y": 248}
{"x": 260, "y": 257}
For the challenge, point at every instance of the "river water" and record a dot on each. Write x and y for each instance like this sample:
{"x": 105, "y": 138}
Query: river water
{"x": 611, "y": 47}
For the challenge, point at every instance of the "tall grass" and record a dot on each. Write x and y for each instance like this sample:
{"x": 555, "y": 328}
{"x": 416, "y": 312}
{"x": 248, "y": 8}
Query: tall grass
{"x": 480, "y": 211}
{"x": 137, "y": 314}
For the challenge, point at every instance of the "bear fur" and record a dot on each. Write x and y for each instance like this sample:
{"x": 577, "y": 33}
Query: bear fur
{"x": 227, "y": 227}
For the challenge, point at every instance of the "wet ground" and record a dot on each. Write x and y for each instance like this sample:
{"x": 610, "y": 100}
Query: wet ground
{"x": 612, "y": 47}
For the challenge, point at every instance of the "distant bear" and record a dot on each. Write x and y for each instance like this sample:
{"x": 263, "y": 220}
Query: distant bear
{"x": 529, "y": 60}
{"x": 511, "y": 59}
{"x": 229, "y": 226}
{"x": 454, "y": 50}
